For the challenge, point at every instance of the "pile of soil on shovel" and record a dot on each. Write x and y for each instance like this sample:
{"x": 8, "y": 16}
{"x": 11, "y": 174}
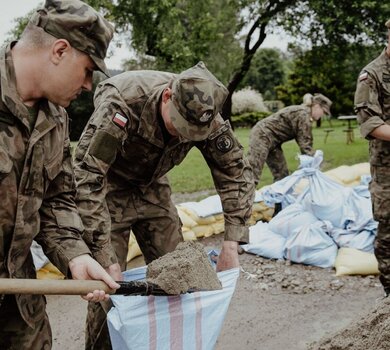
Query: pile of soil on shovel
{"x": 186, "y": 268}
{"x": 372, "y": 332}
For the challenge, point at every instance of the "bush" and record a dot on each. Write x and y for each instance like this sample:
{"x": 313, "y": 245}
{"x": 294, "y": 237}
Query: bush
{"x": 247, "y": 100}
{"x": 248, "y": 119}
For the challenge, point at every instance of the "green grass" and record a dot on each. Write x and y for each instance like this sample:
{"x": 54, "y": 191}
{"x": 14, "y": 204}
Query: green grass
{"x": 194, "y": 175}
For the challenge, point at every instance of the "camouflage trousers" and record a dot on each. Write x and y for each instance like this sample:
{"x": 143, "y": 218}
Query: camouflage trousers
{"x": 380, "y": 196}
{"x": 261, "y": 151}
{"x": 154, "y": 220}
{"x": 15, "y": 334}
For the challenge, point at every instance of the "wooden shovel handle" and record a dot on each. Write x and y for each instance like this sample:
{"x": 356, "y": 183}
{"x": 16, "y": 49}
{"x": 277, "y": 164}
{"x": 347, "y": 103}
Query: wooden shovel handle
{"x": 51, "y": 287}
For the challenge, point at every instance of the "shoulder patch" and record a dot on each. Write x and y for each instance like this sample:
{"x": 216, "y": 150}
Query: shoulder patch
{"x": 363, "y": 76}
{"x": 224, "y": 143}
{"x": 120, "y": 120}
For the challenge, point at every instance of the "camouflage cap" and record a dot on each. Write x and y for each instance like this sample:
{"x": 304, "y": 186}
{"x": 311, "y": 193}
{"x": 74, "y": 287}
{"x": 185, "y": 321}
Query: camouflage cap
{"x": 197, "y": 98}
{"x": 80, "y": 24}
{"x": 387, "y": 24}
{"x": 323, "y": 101}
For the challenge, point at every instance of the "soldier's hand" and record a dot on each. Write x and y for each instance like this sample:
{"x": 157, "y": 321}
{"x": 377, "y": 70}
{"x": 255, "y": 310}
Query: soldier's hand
{"x": 114, "y": 271}
{"x": 228, "y": 258}
{"x": 83, "y": 267}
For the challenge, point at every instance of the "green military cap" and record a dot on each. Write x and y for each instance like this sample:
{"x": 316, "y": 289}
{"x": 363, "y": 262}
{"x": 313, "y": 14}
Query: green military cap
{"x": 323, "y": 101}
{"x": 80, "y": 24}
{"x": 387, "y": 24}
{"x": 197, "y": 98}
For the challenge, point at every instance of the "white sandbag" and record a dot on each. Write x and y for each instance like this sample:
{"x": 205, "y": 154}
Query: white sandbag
{"x": 290, "y": 219}
{"x": 191, "y": 321}
{"x": 209, "y": 206}
{"x": 39, "y": 257}
{"x": 264, "y": 242}
{"x": 326, "y": 199}
{"x": 312, "y": 245}
{"x": 204, "y": 220}
{"x": 363, "y": 240}
{"x": 359, "y": 216}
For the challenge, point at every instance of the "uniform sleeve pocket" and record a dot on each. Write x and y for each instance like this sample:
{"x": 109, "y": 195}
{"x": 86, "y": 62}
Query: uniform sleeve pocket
{"x": 66, "y": 219}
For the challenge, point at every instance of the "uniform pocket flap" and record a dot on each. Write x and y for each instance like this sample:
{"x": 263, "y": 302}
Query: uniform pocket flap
{"x": 68, "y": 219}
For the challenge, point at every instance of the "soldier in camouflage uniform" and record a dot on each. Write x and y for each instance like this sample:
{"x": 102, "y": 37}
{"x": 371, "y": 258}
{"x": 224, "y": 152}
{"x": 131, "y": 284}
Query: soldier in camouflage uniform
{"x": 372, "y": 106}
{"x": 39, "y": 75}
{"x": 293, "y": 122}
{"x": 145, "y": 123}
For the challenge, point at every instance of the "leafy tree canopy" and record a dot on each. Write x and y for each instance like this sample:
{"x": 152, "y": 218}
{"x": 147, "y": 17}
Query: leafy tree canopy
{"x": 266, "y": 72}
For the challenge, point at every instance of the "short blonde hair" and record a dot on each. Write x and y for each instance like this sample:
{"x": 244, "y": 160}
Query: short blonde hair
{"x": 308, "y": 100}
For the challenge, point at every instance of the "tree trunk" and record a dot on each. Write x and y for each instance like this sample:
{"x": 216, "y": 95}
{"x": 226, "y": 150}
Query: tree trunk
{"x": 272, "y": 9}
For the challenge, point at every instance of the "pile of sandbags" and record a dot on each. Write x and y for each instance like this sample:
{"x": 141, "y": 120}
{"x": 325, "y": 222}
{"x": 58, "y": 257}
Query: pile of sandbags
{"x": 202, "y": 220}
{"x": 319, "y": 219}
{"x": 205, "y": 218}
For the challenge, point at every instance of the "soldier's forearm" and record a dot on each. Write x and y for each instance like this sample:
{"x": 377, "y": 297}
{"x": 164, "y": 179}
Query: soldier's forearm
{"x": 381, "y": 132}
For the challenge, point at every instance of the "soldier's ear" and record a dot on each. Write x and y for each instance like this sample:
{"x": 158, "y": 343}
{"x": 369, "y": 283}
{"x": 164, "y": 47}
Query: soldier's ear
{"x": 167, "y": 93}
{"x": 59, "y": 50}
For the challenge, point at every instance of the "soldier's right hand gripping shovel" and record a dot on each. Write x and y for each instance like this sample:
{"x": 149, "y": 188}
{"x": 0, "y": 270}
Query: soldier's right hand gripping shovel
{"x": 76, "y": 287}
{"x": 176, "y": 267}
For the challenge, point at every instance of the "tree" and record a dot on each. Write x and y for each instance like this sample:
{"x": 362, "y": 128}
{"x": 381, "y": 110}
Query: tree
{"x": 327, "y": 69}
{"x": 174, "y": 35}
{"x": 19, "y": 25}
{"x": 266, "y": 72}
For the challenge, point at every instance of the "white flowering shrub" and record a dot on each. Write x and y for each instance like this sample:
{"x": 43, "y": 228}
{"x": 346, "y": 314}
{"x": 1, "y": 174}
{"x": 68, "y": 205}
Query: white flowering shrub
{"x": 247, "y": 100}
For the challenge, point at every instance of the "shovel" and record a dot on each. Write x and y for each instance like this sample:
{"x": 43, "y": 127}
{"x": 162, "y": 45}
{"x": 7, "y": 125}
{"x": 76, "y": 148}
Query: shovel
{"x": 76, "y": 287}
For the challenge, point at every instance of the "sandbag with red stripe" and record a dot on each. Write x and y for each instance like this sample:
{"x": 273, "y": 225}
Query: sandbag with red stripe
{"x": 185, "y": 322}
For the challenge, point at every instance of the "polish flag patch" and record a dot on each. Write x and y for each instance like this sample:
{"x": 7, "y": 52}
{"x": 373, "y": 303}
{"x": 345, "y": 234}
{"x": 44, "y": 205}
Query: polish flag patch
{"x": 120, "y": 120}
{"x": 363, "y": 76}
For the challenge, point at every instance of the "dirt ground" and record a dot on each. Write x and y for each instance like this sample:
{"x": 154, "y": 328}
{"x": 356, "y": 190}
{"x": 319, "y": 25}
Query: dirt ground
{"x": 276, "y": 306}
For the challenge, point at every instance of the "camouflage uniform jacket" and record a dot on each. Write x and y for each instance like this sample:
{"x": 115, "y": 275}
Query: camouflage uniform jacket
{"x": 36, "y": 189}
{"x": 134, "y": 156}
{"x": 372, "y": 105}
{"x": 293, "y": 122}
